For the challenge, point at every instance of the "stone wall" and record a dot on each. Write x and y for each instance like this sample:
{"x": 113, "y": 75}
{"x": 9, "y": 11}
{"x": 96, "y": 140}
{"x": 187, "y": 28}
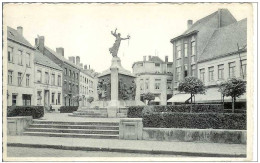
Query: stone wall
{"x": 196, "y": 135}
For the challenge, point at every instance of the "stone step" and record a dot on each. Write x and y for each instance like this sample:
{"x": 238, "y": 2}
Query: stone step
{"x": 50, "y": 134}
{"x": 89, "y": 115}
{"x": 98, "y": 127}
{"x": 91, "y": 111}
{"x": 86, "y": 108}
{"x": 76, "y": 131}
{"x": 76, "y": 123}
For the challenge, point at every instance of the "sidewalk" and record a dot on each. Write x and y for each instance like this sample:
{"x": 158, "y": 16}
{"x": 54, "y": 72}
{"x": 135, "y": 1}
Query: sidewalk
{"x": 131, "y": 146}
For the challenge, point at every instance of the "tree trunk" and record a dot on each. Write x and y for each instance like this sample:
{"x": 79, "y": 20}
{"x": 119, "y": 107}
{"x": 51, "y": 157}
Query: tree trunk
{"x": 233, "y": 104}
{"x": 191, "y": 103}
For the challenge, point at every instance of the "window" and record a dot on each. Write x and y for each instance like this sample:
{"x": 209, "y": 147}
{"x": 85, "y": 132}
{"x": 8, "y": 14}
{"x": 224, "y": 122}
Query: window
{"x": 178, "y": 49}
{"x": 178, "y": 62}
{"x": 39, "y": 97}
{"x": 193, "y": 44}
{"x": 185, "y": 50}
{"x": 202, "y": 75}
{"x": 77, "y": 76}
{"x": 243, "y": 68}
{"x": 10, "y": 54}
{"x": 39, "y": 76}
{"x": 46, "y": 78}
{"x": 28, "y": 59}
{"x": 14, "y": 96}
{"x": 70, "y": 86}
{"x": 169, "y": 68}
{"x": 147, "y": 84}
{"x": 232, "y": 67}
{"x": 26, "y": 100}
{"x": 193, "y": 70}
{"x": 27, "y": 80}
{"x": 65, "y": 71}
{"x": 52, "y": 98}
{"x": 19, "y": 78}
{"x": 157, "y": 64}
{"x": 185, "y": 70}
{"x": 73, "y": 75}
{"x": 141, "y": 84}
{"x": 178, "y": 73}
{"x": 69, "y": 72}
{"x": 20, "y": 57}
{"x": 53, "y": 79}
{"x": 59, "y": 80}
{"x": 59, "y": 98}
{"x": 192, "y": 59}
{"x": 10, "y": 77}
{"x": 169, "y": 84}
{"x": 211, "y": 73}
{"x": 157, "y": 83}
{"x": 85, "y": 80}
{"x": 221, "y": 72}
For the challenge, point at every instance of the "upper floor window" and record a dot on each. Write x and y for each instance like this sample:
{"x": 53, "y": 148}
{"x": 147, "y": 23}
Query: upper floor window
{"x": 202, "y": 74}
{"x": 53, "y": 79}
{"x": 10, "y": 54}
{"x": 178, "y": 62}
{"x": 185, "y": 70}
{"x": 157, "y": 64}
{"x": 20, "y": 57}
{"x": 147, "y": 84}
{"x": 39, "y": 76}
{"x": 59, "y": 80}
{"x": 28, "y": 59}
{"x": 157, "y": 83}
{"x": 185, "y": 50}
{"x": 178, "y": 73}
{"x": 232, "y": 70}
{"x": 19, "y": 78}
{"x": 77, "y": 76}
{"x": 221, "y": 71}
{"x": 27, "y": 80}
{"x": 10, "y": 77}
{"x": 66, "y": 71}
{"x": 73, "y": 75}
{"x": 178, "y": 50}
{"x": 193, "y": 46}
{"x": 169, "y": 84}
{"x": 211, "y": 73}
{"x": 243, "y": 68}
{"x": 46, "y": 78}
{"x": 69, "y": 72}
{"x": 141, "y": 84}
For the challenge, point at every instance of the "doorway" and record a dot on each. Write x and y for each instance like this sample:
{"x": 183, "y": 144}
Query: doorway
{"x": 46, "y": 98}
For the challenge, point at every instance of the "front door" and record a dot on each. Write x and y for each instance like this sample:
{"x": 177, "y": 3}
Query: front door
{"x": 46, "y": 98}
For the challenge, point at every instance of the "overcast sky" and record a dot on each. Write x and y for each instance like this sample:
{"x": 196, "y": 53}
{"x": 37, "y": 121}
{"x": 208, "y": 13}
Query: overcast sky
{"x": 84, "y": 29}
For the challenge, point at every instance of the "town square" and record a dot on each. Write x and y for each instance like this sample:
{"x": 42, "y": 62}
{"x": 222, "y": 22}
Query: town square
{"x": 126, "y": 81}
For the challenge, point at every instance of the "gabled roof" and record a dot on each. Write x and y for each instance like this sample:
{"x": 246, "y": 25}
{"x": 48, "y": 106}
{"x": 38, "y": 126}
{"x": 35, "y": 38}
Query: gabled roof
{"x": 224, "y": 41}
{"x": 39, "y": 58}
{"x": 12, "y": 34}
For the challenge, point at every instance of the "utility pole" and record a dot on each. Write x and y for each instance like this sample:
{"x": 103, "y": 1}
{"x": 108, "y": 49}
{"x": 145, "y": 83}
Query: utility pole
{"x": 240, "y": 61}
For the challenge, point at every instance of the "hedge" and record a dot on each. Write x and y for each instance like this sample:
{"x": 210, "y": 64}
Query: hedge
{"x": 197, "y": 120}
{"x": 34, "y": 111}
{"x": 68, "y": 109}
{"x": 136, "y": 111}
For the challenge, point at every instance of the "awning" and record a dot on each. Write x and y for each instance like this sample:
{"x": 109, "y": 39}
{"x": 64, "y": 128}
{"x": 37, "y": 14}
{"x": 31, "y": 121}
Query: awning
{"x": 157, "y": 99}
{"x": 213, "y": 95}
{"x": 182, "y": 97}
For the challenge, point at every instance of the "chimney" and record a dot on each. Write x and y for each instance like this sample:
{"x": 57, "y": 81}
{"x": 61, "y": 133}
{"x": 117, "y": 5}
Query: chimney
{"x": 39, "y": 43}
{"x": 72, "y": 59}
{"x": 77, "y": 60}
{"x": 144, "y": 58}
{"x": 166, "y": 59}
{"x": 20, "y": 30}
{"x": 60, "y": 51}
{"x": 149, "y": 58}
{"x": 189, "y": 23}
{"x": 85, "y": 67}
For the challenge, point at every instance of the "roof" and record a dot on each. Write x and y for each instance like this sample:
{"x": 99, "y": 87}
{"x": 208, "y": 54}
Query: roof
{"x": 61, "y": 57}
{"x": 39, "y": 58}
{"x": 156, "y": 59}
{"x": 12, "y": 34}
{"x": 224, "y": 41}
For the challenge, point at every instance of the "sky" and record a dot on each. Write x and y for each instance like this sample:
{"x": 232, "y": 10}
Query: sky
{"x": 85, "y": 29}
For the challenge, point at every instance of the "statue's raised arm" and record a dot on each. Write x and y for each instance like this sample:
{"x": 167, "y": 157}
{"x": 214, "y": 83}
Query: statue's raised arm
{"x": 114, "y": 34}
{"x": 128, "y": 37}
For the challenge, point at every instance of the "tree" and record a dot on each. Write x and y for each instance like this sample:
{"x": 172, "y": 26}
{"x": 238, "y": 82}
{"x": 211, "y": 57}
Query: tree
{"x": 234, "y": 88}
{"x": 149, "y": 96}
{"x": 192, "y": 85}
{"x": 90, "y": 99}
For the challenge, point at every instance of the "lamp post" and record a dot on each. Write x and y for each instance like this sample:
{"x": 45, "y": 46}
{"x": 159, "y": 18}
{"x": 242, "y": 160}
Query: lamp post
{"x": 219, "y": 83}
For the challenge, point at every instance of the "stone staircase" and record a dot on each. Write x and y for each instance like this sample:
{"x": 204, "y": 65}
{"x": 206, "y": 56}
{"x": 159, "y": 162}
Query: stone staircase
{"x": 90, "y": 112}
{"x": 96, "y": 130}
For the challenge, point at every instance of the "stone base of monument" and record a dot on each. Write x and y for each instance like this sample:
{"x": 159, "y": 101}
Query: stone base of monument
{"x": 90, "y": 112}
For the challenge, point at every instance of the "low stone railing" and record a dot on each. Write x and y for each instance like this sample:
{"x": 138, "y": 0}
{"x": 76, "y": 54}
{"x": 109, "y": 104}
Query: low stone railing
{"x": 16, "y": 125}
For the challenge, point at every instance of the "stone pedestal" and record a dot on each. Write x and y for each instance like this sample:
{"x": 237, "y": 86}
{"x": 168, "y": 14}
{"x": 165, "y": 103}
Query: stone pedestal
{"x": 131, "y": 128}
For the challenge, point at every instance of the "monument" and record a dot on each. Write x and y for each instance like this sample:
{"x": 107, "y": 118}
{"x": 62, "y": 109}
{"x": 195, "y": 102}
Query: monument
{"x": 116, "y": 86}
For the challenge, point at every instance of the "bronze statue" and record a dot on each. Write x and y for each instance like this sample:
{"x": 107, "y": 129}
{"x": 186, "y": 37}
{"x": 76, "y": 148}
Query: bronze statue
{"x": 114, "y": 49}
